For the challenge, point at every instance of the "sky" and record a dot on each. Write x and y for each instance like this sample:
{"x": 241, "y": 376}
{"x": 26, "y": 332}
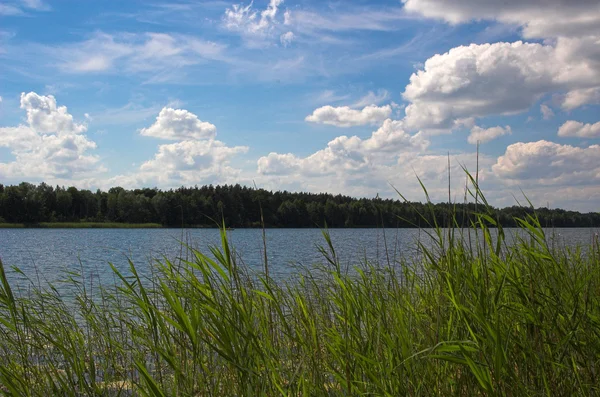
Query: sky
{"x": 353, "y": 97}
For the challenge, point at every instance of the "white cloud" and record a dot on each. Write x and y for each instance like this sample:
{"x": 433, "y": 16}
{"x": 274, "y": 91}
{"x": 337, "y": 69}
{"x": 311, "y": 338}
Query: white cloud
{"x": 271, "y": 11}
{"x": 372, "y": 98}
{"x": 562, "y": 175}
{"x": 488, "y": 79}
{"x": 348, "y": 19}
{"x": 190, "y": 155}
{"x": 329, "y": 96}
{"x": 481, "y": 135}
{"x": 52, "y": 146}
{"x": 198, "y": 158}
{"x": 44, "y": 116}
{"x": 255, "y": 26}
{"x": 37, "y": 5}
{"x": 239, "y": 17}
{"x": 10, "y": 10}
{"x": 379, "y": 173}
{"x": 504, "y": 78}
{"x": 130, "y": 113}
{"x": 548, "y": 163}
{"x": 577, "y": 98}
{"x": 344, "y": 116}
{"x": 432, "y": 169}
{"x": 156, "y": 58}
{"x": 286, "y": 38}
{"x": 573, "y": 128}
{"x": 539, "y": 18}
{"x": 344, "y": 155}
{"x": 133, "y": 53}
{"x": 547, "y": 112}
{"x": 278, "y": 164}
{"x": 328, "y": 28}
{"x": 18, "y": 139}
{"x": 391, "y": 138}
{"x": 467, "y": 122}
{"x": 188, "y": 162}
{"x": 179, "y": 124}
{"x": 99, "y": 53}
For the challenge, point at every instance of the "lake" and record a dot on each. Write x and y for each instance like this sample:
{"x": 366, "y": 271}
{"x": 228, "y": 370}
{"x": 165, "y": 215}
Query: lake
{"x": 51, "y": 251}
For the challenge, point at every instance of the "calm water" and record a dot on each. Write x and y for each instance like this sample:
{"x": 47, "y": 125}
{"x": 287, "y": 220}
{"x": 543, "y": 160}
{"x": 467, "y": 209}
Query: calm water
{"x": 51, "y": 251}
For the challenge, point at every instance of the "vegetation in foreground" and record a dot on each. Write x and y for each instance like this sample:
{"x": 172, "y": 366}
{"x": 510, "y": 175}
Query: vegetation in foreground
{"x": 241, "y": 206}
{"x": 467, "y": 316}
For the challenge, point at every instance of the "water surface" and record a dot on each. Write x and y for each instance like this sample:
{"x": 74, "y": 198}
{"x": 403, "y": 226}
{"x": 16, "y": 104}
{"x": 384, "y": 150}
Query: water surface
{"x": 46, "y": 253}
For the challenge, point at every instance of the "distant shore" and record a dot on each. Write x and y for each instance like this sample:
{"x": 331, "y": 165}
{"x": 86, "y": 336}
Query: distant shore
{"x": 82, "y": 225}
{"x": 120, "y": 225}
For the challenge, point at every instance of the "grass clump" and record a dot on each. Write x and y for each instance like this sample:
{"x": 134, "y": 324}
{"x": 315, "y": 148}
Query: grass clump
{"x": 470, "y": 315}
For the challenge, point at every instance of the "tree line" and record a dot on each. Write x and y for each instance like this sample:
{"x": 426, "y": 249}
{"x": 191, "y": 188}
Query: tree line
{"x": 240, "y": 206}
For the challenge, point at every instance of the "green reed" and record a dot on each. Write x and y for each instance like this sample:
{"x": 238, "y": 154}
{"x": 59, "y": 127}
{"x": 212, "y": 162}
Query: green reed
{"x": 469, "y": 315}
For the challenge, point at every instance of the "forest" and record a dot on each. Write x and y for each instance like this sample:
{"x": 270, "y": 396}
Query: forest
{"x": 240, "y": 206}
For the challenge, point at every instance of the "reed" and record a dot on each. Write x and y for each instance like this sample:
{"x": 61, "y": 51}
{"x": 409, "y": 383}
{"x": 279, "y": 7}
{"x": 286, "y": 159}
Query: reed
{"x": 469, "y": 315}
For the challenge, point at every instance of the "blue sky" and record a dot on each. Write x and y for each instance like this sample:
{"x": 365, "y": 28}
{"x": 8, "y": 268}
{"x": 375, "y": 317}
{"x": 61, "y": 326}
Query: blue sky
{"x": 349, "y": 97}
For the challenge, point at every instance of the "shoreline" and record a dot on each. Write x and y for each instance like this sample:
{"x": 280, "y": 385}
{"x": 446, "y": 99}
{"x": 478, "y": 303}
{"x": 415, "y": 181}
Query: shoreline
{"x": 118, "y": 225}
{"x": 81, "y": 225}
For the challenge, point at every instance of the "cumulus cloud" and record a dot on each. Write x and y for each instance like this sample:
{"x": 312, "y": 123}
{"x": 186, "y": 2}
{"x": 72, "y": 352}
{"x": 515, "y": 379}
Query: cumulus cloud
{"x": 344, "y": 116}
{"x": 487, "y": 79}
{"x": 51, "y": 146}
{"x": 432, "y": 169}
{"x": 482, "y": 135}
{"x": 345, "y": 155}
{"x": 278, "y": 164}
{"x": 43, "y": 115}
{"x": 573, "y": 128}
{"x": 179, "y": 124}
{"x": 505, "y": 78}
{"x": 577, "y": 98}
{"x": 190, "y": 155}
{"x": 197, "y": 157}
{"x": 189, "y": 162}
{"x": 538, "y": 18}
{"x": 399, "y": 170}
{"x": 392, "y": 138}
{"x": 564, "y": 176}
{"x": 549, "y": 163}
